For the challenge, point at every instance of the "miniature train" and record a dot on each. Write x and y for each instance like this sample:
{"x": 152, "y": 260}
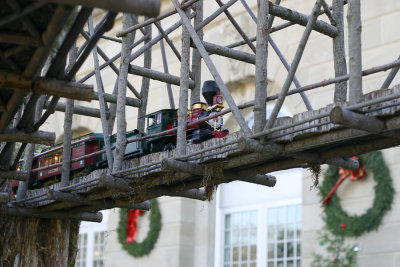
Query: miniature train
{"x": 157, "y": 122}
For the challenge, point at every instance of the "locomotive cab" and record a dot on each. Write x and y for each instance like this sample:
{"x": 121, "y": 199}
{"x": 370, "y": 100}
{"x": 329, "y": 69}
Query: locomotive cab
{"x": 157, "y": 122}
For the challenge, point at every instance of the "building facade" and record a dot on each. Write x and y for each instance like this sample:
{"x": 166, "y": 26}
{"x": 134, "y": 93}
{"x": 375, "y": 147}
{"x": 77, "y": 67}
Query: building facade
{"x": 245, "y": 224}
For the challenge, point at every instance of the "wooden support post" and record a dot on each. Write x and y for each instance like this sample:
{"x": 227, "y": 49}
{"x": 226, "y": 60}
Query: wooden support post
{"x": 354, "y": 120}
{"x": 14, "y": 175}
{"x": 165, "y": 65}
{"x": 60, "y": 215}
{"x": 390, "y": 77}
{"x": 109, "y": 181}
{"x": 261, "y": 79}
{"x": 183, "y": 90}
{"x": 122, "y": 81}
{"x": 102, "y": 104}
{"x": 69, "y": 111}
{"x": 299, "y": 53}
{"x": 339, "y": 53}
{"x": 213, "y": 70}
{"x": 355, "y": 53}
{"x": 150, "y": 8}
{"x": 196, "y": 57}
{"x": 144, "y": 92}
{"x": 39, "y": 137}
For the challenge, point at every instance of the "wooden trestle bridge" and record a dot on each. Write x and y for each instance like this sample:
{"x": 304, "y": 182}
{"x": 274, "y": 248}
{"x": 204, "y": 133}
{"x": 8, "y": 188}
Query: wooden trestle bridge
{"x": 34, "y": 76}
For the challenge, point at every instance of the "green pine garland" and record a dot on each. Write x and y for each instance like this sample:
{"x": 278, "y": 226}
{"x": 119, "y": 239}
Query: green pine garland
{"x": 372, "y": 218}
{"x": 146, "y": 246}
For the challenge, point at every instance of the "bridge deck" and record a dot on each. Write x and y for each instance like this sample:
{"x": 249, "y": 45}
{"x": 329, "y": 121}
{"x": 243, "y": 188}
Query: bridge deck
{"x": 313, "y": 133}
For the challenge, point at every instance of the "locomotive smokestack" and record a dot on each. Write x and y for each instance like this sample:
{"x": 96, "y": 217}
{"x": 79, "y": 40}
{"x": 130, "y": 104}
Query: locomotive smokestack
{"x": 210, "y": 89}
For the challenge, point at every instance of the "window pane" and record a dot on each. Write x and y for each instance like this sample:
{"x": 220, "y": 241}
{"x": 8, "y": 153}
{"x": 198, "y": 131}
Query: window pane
{"x": 253, "y": 252}
{"x": 271, "y": 233}
{"x": 271, "y": 251}
{"x": 240, "y": 239}
{"x": 271, "y": 216}
{"x": 227, "y": 255}
{"x": 290, "y": 250}
{"x": 291, "y": 212}
{"x": 282, "y": 215}
{"x": 283, "y": 236}
{"x": 244, "y": 253}
{"x": 235, "y": 253}
{"x": 280, "y": 250}
{"x": 228, "y": 221}
{"x": 227, "y": 238}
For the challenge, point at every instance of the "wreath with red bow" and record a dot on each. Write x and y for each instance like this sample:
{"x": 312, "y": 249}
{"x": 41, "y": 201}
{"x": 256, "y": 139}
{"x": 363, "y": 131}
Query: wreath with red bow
{"x": 374, "y": 163}
{"x": 127, "y": 230}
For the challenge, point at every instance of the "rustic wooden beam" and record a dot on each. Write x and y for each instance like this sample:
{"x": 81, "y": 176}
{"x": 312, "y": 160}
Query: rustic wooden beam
{"x": 110, "y": 204}
{"x": 48, "y": 86}
{"x": 19, "y": 39}
{"x": 183, "y": 90}
{"x": 14, "y": 175}
{"x": 339, "y": 53}
{"x": 16, "y": 15}
{"x": 165, "y": 65}
{"x": 197, "y": 194}
{"x": 60, "y": 215}
{"x": 149, "y": 8}
{"x": 157, "y": 75}
{"x": 261, "y": 78}
{"x": 251, "y": 145}
{"x": 198, "y": 169}
{"x": 152, "y": 20}
{"x": 196, "y": 57}
{"x": 127, "y": 21}
{"x": 229, "y": 52}
{"x": 38, "y": 137}
{"x": 78, "y": 110}
{"x": 109, "y": 181}
{"x": 354, "y": 120}
{"x": 355, "y": 52}
{"x": 102, "y": 104}
{"x": 276, "y": 150}
{"x": 145, "y": 88}
{"x": 302, "y": 19}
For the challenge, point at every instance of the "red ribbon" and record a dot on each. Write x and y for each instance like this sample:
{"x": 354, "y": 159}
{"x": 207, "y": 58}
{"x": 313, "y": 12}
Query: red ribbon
{"x": 354, "y": 176}
{"x": 131, "y": 225}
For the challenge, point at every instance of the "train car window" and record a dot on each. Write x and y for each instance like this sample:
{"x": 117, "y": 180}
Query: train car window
{"x": 158, "y": 118}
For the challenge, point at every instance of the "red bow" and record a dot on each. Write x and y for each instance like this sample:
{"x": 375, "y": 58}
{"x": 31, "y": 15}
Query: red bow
{"x": 354, "y": 176}
{"x": 131, "y": 225}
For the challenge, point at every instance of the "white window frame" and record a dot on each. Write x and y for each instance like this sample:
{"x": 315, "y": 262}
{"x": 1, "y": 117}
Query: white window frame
{"x": 262, "y": 241}
{"x": 90, "y": 229}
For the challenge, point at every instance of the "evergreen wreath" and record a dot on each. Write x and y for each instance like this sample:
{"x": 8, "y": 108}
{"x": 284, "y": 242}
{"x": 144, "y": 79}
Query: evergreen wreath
{"x": 372, "y": 218}
{"x": 146, "y": 246}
